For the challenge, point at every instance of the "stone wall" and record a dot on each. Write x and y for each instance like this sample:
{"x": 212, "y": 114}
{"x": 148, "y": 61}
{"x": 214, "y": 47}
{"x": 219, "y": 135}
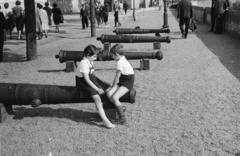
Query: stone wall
{"x": 231, "y": 24}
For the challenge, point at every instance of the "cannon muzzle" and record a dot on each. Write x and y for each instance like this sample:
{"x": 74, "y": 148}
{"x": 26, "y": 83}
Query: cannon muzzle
{"x": 36, "y": 95}
{"x": 121, "y": 31}
{"x": 65, "y": 55}
{"x": 132, "y": 39}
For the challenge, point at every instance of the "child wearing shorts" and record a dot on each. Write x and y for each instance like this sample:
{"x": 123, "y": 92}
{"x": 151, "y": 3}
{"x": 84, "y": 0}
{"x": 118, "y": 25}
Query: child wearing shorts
{"x": 87, "y": 82}
{"x": 122, "y": 83}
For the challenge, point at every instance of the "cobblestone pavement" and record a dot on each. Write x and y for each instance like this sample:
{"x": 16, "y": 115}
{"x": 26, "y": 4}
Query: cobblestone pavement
{"x": 186, "y": 104}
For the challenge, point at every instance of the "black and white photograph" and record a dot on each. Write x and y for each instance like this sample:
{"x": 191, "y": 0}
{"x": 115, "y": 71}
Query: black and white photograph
{"x": 119, "y": 78}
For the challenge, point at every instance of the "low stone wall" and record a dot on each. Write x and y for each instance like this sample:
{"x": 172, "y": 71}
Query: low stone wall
{"x": 231, "y": 24}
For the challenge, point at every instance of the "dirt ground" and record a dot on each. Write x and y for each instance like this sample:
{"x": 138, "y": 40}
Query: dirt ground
{"x": 187, "y": 104}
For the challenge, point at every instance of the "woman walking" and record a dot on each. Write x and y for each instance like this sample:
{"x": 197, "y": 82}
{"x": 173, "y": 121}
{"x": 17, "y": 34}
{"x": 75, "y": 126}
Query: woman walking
{"x": 57, "y": 16}
{"x": 44, "y": 18}
{"x": 10, "y": 20}
{"x": 18, "y": 12}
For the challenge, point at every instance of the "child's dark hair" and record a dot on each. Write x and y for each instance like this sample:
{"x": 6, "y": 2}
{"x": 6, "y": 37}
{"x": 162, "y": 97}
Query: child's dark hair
{"x": 91, "y": 50}
{"x": 54, "y": 5}
{"x": 17, "y": 3}
{"x": 6, "y": 5}
{"x": 117, "y": 49}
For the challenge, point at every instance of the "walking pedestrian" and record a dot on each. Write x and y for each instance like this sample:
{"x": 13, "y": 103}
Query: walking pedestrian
{"x": 86, "y": 82}
{"x": 97, "y": 12}
{"x": 184, "y": 13}
{"x": 49, "y": 13}
{"x": 18, "y": 12}
{"x": 116, "y": 19}
{"x": 38, "y": 21}
{"x": 2, "y": 26}
{"x": 213, "y": 18}
{"x": 10, "y": 20}
{"x": 125, "y": 7}
{"x": 57, "y": 17}
{"x": 44, "y": 17}
{"x": 101, "y": 13}
{"x": 122, "y": 83}
{"x": 220, "y": 8}
{"x": 105, "y": 14}
{"x": 84, "y": 15}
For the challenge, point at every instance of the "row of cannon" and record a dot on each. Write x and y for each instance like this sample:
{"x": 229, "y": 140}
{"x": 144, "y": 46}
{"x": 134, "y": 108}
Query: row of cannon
{"x": 70, "y": 57}
{"x": 36, "y": 95}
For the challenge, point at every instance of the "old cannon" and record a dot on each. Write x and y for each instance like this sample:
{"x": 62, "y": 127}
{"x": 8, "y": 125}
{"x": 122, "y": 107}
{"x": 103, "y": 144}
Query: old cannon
{"x": 36, "y": 95}
{"x": 132, "y": 39}
{"x": 65, "y": 55}
{"x": 121, "y": 31}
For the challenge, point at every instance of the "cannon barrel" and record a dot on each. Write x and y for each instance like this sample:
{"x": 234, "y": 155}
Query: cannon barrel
{"x": 36, "y": 95}
{"x": 64, "y": 55}
{"x": 132, "y": 39}
{"x": 120, "y": 31}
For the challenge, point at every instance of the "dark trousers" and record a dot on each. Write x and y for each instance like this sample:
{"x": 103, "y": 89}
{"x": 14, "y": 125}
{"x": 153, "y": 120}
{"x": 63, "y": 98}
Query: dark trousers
{"x": 116, "y": 20}
{"x": 1, "y": 44}
{"x": 49, "y": 20}
{"x": 213, "y": 18}
{"x": 184, "y": 21}
{"x": 84, "y": 21}
{"x": 219, "y": 23}
{"x": 125, "y": 9}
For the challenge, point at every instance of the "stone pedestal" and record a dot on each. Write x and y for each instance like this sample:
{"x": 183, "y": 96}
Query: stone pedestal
{"x": 157, "y": 45}
{"x": 70, "y": 66}
{"x": 107, "y": 47}
{"x": 144, "y": 64}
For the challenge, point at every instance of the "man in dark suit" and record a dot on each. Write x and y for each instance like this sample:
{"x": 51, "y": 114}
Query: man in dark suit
{"x": 220, "y": 7}
{"x": 184, "y": 13}
{"x": 213, "y": 18}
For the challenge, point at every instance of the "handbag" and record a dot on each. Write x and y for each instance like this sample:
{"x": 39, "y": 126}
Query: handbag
{"x": 61, "y": 19}
{"x": 192, "y": 24}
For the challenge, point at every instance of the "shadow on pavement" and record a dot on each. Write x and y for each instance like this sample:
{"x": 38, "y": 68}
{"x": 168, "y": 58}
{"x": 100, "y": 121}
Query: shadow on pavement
{"x": 50, "y": 71}
{"x": 113, "y": 69}
{"x": 14, "y": 43}
{"x": 11, "y": 57}
{"x": 68, "y": 113}
{"x": 225, "y": 46}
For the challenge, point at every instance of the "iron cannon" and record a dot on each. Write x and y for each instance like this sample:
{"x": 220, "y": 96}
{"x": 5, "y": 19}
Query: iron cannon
{"x": 36, "y": 95}
{"x": 132, "y": 39}
{"x": 120, "y": 31}
{"x": 65, "y": 55}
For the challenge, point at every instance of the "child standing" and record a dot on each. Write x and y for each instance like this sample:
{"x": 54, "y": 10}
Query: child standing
{"x": 123, "y": 81}
{"x": 116, "y": 19}
{"x": 87, "y": 82}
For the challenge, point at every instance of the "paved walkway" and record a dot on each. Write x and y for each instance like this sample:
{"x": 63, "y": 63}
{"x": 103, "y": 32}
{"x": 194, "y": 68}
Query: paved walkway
{"x": 187, "y": 103}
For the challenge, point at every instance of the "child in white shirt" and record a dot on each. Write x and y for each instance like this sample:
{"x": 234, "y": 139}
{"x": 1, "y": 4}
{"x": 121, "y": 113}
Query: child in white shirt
{"x": 87, "y": 82}
{"x": 123, "y": 81}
